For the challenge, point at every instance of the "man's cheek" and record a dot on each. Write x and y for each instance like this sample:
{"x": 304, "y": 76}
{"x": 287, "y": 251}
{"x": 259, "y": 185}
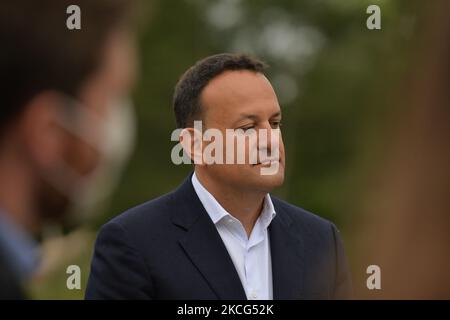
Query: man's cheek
{"x": 84, "y": 158}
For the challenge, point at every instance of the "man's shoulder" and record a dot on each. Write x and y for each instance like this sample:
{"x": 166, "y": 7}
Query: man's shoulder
{"x": 300, "y": 217}
{"x": 150, "y": 214}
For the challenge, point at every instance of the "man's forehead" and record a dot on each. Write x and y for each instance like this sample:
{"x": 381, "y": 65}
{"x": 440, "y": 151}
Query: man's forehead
{"x": 243, "y": 89}
{"x": 239, "y": 82}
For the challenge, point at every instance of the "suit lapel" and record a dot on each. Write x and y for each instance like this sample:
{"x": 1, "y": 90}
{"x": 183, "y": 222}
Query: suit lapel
{"x": 287, "y": 258}
{"x": 204, "y": 246}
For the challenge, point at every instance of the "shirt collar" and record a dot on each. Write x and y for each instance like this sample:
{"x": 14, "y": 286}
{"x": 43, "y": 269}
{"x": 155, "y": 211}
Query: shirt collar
{"x": 268, "y": 211}
{"x": 217, "y": 212}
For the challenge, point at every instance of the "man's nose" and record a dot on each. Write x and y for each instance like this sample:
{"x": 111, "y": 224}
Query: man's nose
{"x": 265, "y": 136}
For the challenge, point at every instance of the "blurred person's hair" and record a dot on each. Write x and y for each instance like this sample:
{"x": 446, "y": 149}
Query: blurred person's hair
{"x": 186, "y": 99}
{"x": 409, "y": 212}
{"x": 39, "y": 53}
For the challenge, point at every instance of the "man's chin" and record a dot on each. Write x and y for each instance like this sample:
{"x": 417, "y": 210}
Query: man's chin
{"x": 273, "y": 181}
{"x": 267, "y": 183}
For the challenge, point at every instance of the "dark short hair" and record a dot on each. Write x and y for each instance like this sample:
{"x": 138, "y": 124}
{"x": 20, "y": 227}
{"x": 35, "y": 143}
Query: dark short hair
{"x": 38, "y": 52}
{"x": 186, "y": 100}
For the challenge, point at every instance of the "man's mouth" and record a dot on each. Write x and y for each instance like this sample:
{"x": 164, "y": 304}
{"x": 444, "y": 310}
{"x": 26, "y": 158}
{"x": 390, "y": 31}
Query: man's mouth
{"x": 267, "y": 163}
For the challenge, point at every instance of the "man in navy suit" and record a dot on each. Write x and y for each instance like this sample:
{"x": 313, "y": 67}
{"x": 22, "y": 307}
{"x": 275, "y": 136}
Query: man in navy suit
{"x": 221, "y": 235}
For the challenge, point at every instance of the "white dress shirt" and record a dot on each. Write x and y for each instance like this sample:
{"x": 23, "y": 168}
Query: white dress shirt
{"x": 250, "y": 255}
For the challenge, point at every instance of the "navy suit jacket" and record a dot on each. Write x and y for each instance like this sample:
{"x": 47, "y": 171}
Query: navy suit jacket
{"x": 169, "y": 248}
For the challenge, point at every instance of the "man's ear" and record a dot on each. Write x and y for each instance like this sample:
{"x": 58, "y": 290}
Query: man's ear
{"x": 42, "y": 137}
{"x": 192, "y": 143}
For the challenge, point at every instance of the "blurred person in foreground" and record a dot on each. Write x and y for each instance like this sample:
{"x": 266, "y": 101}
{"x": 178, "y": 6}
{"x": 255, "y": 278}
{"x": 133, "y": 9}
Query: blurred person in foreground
{"x": 411, "y": 206}
{"x": 61, "y": 118}
{"x": 221, "y": 235}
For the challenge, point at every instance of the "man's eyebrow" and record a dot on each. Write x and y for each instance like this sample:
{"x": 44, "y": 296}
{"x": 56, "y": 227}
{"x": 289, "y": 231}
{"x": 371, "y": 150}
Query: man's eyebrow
{"x": 244, "y": 116}
{"x": 254, "y": 117}
{"x": 248, "y": 116}
{"x": 276, "y": 114}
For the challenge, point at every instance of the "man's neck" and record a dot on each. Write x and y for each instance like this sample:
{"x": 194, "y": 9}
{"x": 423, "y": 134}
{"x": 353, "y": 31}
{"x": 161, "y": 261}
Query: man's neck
{"x": 244, "y": 206}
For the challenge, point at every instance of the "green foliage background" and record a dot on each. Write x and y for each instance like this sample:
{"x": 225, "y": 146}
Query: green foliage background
{"x": 335, "y": 79}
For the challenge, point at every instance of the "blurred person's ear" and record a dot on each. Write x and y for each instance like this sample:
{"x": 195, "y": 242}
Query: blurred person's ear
{"x": 40, "y": 134}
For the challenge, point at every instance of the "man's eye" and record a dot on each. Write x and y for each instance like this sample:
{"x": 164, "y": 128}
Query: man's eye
{"x": 247, "y": 128}
{"x": 276, "y": 124}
